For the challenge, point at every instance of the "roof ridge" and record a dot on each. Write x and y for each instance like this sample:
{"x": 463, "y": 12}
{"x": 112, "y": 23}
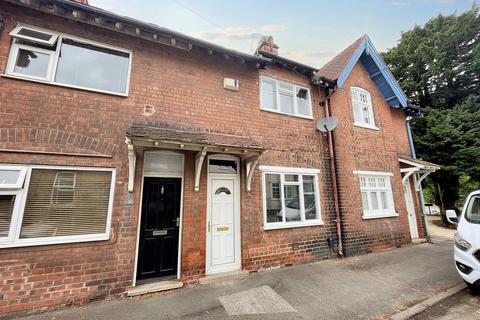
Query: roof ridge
{"x": 333, "y": 68}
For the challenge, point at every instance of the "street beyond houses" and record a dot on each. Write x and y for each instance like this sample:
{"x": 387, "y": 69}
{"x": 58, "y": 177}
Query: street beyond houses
{"x": 373, "y": 286}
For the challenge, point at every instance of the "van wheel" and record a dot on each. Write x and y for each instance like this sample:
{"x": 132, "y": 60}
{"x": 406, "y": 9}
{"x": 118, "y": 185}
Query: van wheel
{"x": 474, "y": 288}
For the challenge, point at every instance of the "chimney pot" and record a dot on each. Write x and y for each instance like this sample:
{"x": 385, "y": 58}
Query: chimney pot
{"x": 267, "y": 44}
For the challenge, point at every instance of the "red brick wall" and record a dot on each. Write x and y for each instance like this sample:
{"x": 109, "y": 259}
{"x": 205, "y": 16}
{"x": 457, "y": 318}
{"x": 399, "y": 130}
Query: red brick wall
{"x": 359, "y": 148}
{"x": 186, "y": 89}
{"x": 293, "y": 142}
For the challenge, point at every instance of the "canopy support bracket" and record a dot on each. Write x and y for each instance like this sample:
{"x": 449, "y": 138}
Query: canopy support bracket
{"x": 408, "y": 173}
{"x": 132, "y": 160}
{"x": 250, "y": 163}
{"x": 199, "y": 157}
{"x": 420, "y": 179}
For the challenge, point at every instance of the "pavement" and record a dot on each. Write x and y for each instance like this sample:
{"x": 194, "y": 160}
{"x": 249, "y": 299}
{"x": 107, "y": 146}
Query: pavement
{"x": 373, "y": 286}
{"x": 464, "y": 305}
{"x": 437, "y": 232}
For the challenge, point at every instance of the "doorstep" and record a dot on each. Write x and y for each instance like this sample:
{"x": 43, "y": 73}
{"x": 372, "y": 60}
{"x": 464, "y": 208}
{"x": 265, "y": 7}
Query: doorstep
{"x": 419, "y": 240}
{"x": 231, "y": 275}
{"x": 154, "y": 287}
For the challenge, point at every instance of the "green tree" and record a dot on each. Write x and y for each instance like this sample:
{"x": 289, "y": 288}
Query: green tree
{"x": 438, "y": 67}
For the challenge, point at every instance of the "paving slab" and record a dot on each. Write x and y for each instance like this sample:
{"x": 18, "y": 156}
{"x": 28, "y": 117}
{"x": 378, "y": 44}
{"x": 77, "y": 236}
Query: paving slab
{"x": 373, "y": 286}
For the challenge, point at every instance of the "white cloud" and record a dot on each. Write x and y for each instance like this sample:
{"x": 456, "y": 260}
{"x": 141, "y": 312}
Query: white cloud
{"x": 445, "y": 1}
{"x": 273, "y": 28}
{"x": 399, "y": 3}
{"x": 314, "y": 59}
{"x": 230, "y": 33}
{"x": 239, "y": 33}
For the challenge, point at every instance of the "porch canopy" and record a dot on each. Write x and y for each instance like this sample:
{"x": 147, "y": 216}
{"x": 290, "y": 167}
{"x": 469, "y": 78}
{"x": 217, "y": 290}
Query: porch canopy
{"x": 420, "y": 168}
{"x": 164, "y": 137}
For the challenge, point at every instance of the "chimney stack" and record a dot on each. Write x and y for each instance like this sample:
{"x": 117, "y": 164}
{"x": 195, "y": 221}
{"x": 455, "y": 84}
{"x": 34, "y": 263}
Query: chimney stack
{"x": 85, "y": 2}
{"x": 267, "y": 44}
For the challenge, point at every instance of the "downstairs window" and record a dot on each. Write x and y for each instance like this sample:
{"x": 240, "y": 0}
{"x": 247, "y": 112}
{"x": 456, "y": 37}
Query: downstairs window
{"x": 290, "y": 197}
{"x": 55, "y": 205}
{"x": 376, "y": 192}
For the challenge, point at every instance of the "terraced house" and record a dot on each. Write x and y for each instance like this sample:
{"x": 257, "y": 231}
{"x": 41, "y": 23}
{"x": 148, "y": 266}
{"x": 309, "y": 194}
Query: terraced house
{"x": 134, "y": 158}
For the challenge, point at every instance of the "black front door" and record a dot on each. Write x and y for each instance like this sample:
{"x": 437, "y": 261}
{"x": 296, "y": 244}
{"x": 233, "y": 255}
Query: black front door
{"x": 159, "y": 229}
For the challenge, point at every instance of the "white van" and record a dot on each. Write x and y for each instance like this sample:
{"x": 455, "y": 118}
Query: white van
{"x": 467, "y": 240}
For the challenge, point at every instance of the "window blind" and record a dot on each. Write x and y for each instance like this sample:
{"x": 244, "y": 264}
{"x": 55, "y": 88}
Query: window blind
{"x": 6, "y": 210}
{"x": 66, "y": 203}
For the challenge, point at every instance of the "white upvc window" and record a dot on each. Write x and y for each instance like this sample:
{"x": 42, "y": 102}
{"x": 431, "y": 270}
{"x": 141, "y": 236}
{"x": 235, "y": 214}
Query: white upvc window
{"x": 42, "y": 205}
{"x": 285, "y": 98}
{"x": 376, "y": 193}
{"x": 290, "y": 197}
{"x": 362, "y": 108}
{"x": 43, "y": 55}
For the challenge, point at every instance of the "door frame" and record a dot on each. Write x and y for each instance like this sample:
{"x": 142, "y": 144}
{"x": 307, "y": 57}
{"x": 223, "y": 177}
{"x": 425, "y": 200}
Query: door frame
{"x": 237, "y": 220}
{"x": 409, "y": 194}
{"x": 160, "y": 175}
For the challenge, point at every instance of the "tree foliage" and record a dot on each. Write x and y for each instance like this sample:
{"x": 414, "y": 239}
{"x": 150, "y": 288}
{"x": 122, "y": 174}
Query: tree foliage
{"x": 438, "y": 67}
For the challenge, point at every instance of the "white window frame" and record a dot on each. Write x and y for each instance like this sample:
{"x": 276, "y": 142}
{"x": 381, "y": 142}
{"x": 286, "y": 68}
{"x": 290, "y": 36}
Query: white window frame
{"x": 15, "y": 33}
{"x": 277, "y": 108}
{"x": 282, "y": 171}
{"x": 55, "y": 54}
{"x": 368, "y": 105}
{"x": 16, "y": 47}
{"x": 21, "y": 177}
{"x": 380, "y": 212}
{"x": 13, "y": 239}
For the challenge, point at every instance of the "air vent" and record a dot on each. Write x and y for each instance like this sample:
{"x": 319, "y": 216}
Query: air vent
{"x": 148, "y": 110}
{"x": 231, "y": 84}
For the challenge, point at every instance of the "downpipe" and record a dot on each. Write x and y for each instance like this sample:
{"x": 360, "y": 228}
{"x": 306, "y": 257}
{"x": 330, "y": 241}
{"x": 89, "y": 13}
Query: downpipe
{"x": 333, "y": 173}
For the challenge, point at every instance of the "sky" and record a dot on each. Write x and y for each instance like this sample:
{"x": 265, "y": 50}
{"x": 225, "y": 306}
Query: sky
{"x": 308, "y": 31}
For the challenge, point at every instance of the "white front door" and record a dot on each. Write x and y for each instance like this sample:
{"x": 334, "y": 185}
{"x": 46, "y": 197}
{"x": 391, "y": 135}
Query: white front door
{"x": 412, "y": 218}
{"x": 223, "y": 224}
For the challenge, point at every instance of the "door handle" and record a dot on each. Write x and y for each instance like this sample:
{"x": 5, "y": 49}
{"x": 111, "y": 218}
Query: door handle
{"x": 177, "y": 221}
{"x": 209, "y": 226}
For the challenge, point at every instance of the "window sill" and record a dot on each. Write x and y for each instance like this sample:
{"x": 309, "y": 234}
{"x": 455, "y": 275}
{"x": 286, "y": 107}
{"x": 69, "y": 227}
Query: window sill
{"x": 293, "y": 225}
{"x": 52, "y": 241}
{"x": 379, "y": 216}
{"x": 287, "y": 114}
{"x": 63, "y": 85}
{"x": 366, "y": 127}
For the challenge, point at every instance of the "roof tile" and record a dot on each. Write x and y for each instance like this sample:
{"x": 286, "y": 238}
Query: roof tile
{"x": 333, "y": 69}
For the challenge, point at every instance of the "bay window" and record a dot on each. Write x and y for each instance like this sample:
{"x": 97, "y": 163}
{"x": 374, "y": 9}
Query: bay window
{"x": 376, "y": 194}
{"x": 290, "y": 197}
{"x": 48, "y": 56}
{"x": 48, "y": 205}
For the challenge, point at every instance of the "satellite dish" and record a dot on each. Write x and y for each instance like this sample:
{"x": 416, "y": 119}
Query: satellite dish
{"x": 327, "y": 124}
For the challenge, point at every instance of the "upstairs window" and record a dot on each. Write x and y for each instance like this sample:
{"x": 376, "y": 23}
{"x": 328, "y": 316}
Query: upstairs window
{"x": 35, "y": 36}
{"x": 362, "y": 108}
{"x": 286, "y": 98}
{"x": 376, "y": 192}
{"x": 39, "y": 54}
